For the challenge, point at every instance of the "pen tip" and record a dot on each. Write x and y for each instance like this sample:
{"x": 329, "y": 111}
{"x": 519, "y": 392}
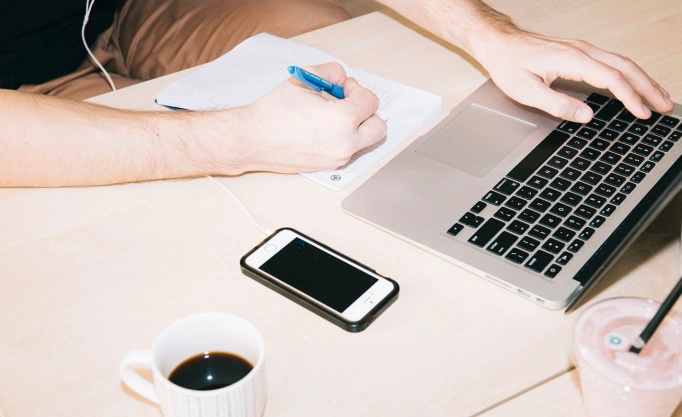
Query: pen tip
{"x": 291, "y": 70}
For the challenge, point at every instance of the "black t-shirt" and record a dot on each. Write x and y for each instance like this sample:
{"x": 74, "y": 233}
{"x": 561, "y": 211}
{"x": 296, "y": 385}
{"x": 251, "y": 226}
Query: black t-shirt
{"x": 41, "y": 40}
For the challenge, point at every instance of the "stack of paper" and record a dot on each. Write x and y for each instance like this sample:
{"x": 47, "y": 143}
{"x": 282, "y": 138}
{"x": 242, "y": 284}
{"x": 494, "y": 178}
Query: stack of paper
{"x": 258, "y": 65}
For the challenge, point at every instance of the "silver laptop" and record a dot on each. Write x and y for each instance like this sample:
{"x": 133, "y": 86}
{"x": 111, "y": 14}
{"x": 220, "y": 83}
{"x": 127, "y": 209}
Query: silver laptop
{"x": 537, "y": 205}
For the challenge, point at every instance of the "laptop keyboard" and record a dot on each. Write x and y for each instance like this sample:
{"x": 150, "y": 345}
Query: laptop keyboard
{"x": 552, "y": 201}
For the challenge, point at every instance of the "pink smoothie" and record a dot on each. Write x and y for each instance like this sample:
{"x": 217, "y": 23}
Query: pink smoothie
{"x": 616, "y": 382}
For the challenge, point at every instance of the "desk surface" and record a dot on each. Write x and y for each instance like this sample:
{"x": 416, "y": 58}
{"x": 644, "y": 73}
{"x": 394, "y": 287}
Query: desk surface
{"x": 90, "y": 273}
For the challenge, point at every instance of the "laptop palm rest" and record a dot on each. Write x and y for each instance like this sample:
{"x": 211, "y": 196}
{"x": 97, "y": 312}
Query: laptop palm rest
{"x": 476, "y": 140}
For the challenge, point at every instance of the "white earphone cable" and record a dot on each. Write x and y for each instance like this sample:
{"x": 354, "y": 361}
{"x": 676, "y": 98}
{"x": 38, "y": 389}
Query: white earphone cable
{"x": 88, "y": 8}
{"x": 265, "y": 231}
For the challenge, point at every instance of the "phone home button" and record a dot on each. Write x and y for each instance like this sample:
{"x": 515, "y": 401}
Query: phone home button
{"x": 270, "y": 247}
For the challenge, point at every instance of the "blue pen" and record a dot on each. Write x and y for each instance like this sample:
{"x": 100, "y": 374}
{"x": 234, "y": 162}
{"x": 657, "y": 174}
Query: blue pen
{"x": 315, "y": 82}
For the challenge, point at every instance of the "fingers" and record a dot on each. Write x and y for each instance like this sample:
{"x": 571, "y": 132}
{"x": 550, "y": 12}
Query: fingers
{"x": 371, "y": 131}
{"x": 360, "y": 103}
{"x": 640, "y": 81}
{"x": 331, "y": 71}
{"x": 537, "y": 94}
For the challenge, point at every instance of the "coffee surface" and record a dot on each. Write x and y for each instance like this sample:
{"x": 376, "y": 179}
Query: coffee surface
{"x": 210, "y": 370}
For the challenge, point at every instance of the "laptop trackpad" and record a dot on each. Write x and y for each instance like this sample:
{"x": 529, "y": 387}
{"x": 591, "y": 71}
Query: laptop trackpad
{"x": 476, "y": 140}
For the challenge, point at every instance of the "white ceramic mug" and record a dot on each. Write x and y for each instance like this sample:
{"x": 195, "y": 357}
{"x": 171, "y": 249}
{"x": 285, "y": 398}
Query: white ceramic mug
{"x": 188, "y": 337}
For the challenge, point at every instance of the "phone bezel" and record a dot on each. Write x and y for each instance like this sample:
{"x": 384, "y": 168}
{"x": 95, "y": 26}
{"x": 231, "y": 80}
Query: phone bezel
{"x": 356, "y": 311}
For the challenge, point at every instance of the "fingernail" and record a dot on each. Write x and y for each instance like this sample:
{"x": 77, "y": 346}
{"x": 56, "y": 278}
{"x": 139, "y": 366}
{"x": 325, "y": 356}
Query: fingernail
{"x": 583, "y": 115}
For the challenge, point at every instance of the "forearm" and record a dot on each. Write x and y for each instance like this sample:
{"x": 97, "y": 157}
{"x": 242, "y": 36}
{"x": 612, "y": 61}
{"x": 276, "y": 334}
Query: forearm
{"x": 47, "y": 142}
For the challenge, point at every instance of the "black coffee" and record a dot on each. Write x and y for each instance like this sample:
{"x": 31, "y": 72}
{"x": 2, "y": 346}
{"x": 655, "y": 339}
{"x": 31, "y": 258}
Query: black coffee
{"x": 211, "y": 370}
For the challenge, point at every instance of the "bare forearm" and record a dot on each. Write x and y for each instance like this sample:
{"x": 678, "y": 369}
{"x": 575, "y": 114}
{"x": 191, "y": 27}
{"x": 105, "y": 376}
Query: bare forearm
{"x": 48, "y": 142}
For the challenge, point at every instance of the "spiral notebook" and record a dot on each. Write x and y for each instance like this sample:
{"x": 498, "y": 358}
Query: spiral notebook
{"x": 258, "y": 65}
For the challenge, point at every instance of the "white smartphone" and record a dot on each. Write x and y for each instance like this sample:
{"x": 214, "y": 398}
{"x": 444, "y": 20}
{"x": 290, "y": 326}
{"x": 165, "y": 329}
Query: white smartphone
{"x": 320, "y": 279}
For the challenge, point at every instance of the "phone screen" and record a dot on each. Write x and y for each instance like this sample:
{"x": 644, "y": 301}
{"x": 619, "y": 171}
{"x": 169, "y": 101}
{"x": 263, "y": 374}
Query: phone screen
{"x": 318, "y": 274}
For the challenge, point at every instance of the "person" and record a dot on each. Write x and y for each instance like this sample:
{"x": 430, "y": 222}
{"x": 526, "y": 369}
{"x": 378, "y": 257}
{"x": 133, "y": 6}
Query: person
{"x": 49, "y": 140}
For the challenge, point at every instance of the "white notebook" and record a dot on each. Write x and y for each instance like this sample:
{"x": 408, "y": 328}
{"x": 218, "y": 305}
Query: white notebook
{"x": 259, "y": 64}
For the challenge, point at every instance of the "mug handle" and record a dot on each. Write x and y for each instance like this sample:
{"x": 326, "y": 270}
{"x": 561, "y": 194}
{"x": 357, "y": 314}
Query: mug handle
{"x": 139, "y": 358}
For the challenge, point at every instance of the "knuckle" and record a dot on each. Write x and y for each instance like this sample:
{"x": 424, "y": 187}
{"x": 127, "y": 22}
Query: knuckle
{"x": 336, "y": 66}
{"x": 617, "y": 76}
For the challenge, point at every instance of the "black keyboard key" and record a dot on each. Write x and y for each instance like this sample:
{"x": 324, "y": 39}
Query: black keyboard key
{"x": 675, "y": 136}
{"x": 597, "y": 221}
{"x": 515, "y": 203}
{"x": 567, "y": 152}
{"x": 661, "y": 130}
{"x": 628, "y": 187}
{"x": 595, "y": 124}
{"x": 618, "y": 199}
{"x": 550, "y": 194}
{"x": 626, "y": 116}
{"x": 467, "y": 218}
{"x": 494, "y": 198}
{"x": 477, "y": 221}
{"x": 651, "y": 120}
{"x": 506, "y": 186}
{"x": 553, "y": 246}
{"x": 607, "y": 210}
{"x": 569, "y": 127}
{"x": 657, "y": 156}
{"x": 591, "y": 178}
{"x": 486, "y": 233}
{"x": 617, "y": 125}
{"x": 610, "y": 110}
{"x": 600, "y": 144}
{"x": 652, "y": 140}
{"x": 575, "y": 223}
{"x": 666, "y": 146}
{"x": 478, "y": 207}
{"x": 638, "y": 129}
{"x": 638, "y": 177}
{"x": 455, "y": 229}
{"x": 577, "y": 143}
{"x": 609, "y": 134}
{"x": 610, "y": 158}
{"x": 590, "y": 154}
{"x": 564, "y": 234}
{"x": 634, "y": 160}
{"x": 505, "y": 214}
{"x": 571, "y": 173}
{"x": 614, "y": 179}
{"x": 550, "y": 221}
{"x": 571, "y": 199}
{"x": 557, "y": 162}
{"x": 537, "y": 182}
{"x": 597, "y": 98}
{"x": 564, "y": 258}
{"x": 601, "y": 168}
{"x": 552, "y": 271}
{"x": 595, "y": 107}
{"x": 586, "y": 234}
{"x": 624, "y": 169}
{"x": 529, "y": 216}
{"x": 560, "y": 210}
{"x": 517, "y": 256}
{"x": 628, "y": 138}
{"x": 518, "y": 227}
{"x": 595, "y": 201}
{"x": 560, "y": 184}
{"x": 648, "y": 166}
{"x": 585, "y": 212}
{"x": 548, "y": 172}
{"x": 605, "y": 190}
{"x": 527, "y": 192}
{"x": 619, "y": 148}
{"x": 576, "y": 245}
{"x": 642, "y": 149}
{"x": 502, "y": 243}
{"x": 580, "y": 163}
{"x": 581, "y": 188}
{"x": 587, "y": 133}
{"x": 539, "y": 232}
{"x": 529, "y": 244}
{"x": 538, "y": 156}
{"x": 539, "y": 261}
{"x": 539, "y": 205}
{"x": 669, "y": 121}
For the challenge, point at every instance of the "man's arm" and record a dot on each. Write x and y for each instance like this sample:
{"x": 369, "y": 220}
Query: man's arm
{"x": 52, "y": 142}
{"x": 524, "y": 64}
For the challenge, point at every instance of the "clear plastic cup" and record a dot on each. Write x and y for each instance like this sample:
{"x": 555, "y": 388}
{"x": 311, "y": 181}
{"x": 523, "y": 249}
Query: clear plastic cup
{"x": 616, "y": 382}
